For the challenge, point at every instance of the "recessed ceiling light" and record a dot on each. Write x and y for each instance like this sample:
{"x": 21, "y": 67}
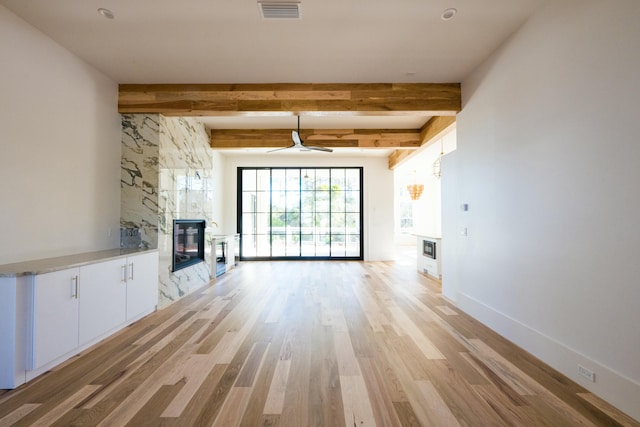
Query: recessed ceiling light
{"x": 106, "y": 13}
{"x": 448, "y": 14}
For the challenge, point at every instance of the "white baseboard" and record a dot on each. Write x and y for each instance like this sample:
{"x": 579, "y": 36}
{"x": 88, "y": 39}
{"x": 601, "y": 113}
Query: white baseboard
{"x": 618, "y": 390}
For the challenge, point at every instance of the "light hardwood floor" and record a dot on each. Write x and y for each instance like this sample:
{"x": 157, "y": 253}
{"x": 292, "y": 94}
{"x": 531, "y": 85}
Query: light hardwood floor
{"x": 307, "y": 343}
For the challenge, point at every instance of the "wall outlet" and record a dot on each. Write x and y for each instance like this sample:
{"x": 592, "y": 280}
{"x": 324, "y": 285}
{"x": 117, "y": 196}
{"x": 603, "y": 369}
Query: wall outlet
{"x": 586, "y": 373}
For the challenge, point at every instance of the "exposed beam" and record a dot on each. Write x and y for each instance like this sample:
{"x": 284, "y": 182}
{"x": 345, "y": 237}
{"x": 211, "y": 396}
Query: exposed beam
{"x": 429, "y": 132}
{"x": 398, "y": 157}
{"x": 363, "y": 138}
{"x": 434, "y": 128}
{"x": 434, "y": 99}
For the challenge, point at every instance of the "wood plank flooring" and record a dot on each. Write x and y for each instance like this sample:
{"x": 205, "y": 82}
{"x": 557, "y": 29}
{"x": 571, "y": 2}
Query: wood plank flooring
{"x": 307, "y": 344}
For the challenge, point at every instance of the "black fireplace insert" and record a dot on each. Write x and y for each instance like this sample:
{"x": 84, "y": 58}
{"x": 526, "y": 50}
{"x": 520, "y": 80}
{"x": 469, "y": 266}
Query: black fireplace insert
{"x": 188, "y": 242}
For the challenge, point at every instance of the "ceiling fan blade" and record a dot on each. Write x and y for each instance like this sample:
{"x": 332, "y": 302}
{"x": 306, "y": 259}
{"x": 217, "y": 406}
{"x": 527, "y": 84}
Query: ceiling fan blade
{"x": 317, "y": 148}
{"x": 296, "y": 138}
{"x": 280, "y": 149}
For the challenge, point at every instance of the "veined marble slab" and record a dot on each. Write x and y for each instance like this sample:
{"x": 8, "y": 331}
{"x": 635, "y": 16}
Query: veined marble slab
{"x": 185, "y": 192}
{"x": 139, "y": 175}
{"x": 167, "y": 167}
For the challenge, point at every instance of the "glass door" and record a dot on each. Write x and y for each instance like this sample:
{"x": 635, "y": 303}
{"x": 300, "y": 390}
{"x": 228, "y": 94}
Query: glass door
{"x": 300, "y": 213}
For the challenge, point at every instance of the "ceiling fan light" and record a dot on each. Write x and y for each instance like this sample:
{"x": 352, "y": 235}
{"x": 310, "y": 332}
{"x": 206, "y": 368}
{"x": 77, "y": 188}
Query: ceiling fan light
{"x": 299, "y": 143}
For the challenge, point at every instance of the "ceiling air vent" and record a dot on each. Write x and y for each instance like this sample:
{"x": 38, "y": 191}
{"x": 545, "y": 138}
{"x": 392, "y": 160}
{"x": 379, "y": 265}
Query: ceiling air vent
{"x": 279, "y": 10}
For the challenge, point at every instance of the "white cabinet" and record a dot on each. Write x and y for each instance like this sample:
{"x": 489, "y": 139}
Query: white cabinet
{"x": 429, "y": 250}
{"x": 14, "y": 303}
{"x": 50, "y": 311}
{"x": 55, "y": 316}
{"x": 142, "y": 284}
{"x": 74, "y": 308}
{"x": 102, "y": 297}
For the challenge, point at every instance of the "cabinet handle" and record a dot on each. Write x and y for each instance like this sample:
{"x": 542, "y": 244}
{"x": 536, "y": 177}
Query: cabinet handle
{"x": 123, "y": 273}
{"x": 131, "y": 272}
{"x": 74, "y": 283}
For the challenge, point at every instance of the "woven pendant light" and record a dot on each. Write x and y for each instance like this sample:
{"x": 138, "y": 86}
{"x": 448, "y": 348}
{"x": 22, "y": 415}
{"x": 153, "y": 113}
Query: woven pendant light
{"x": 415, "y": 190}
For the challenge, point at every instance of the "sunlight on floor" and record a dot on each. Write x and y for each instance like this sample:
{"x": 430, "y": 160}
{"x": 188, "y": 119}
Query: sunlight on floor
{"x": 405, "y": 254}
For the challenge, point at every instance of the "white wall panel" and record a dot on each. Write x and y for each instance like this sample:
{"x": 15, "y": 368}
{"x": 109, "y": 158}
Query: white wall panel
{"x": 59, "y": 149}
{"x": 547, "y": 160}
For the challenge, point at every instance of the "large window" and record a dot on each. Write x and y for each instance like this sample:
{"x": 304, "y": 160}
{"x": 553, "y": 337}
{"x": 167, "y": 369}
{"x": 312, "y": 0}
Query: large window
{"x": 300, "y": 213}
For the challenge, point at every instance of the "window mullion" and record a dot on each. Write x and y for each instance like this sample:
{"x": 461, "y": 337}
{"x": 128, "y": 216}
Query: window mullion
{"x": 300, "y": 212}
{"x": 330, "y": 215}
{"x": 270, "y": 212}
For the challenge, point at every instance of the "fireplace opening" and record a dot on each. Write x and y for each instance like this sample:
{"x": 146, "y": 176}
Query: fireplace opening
{"x": 188, "y": 242}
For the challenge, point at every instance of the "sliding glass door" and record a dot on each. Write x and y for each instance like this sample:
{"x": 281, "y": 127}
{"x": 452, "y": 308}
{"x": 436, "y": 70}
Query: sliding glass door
{"x": 300, "y": 213}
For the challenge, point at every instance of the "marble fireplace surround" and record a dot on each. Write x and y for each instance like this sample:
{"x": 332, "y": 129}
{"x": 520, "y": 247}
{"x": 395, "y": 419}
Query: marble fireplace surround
{"x": 166, "y": 174}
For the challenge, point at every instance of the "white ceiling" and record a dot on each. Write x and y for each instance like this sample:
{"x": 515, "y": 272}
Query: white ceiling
{"x": 227, "y": 41}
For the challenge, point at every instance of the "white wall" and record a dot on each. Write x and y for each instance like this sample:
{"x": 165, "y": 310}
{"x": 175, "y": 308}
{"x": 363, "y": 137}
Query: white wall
{"x": 451, "y": 211}
{"x": 59, "y": 149}
{"x": 549, "y": 162}
{"x": 378, "y": 193}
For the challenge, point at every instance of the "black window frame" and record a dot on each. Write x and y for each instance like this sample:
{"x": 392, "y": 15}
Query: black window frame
{"x": 239, "y": 216}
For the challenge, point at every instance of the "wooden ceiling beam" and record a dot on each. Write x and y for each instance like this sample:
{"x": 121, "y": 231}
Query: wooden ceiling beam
{"x": 434, "y": 128}
{"x": 431, "y": 130}
{"x": 434, "y": 99}
{"x": 333, "y": 138}
{"x": 398, "y": 157}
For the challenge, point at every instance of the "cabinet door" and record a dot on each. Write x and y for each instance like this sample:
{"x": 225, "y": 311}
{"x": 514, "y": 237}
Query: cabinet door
{"x": 55, "y": 315}
{"x": 142, "y": 284}
{"x": 102, "y": 296}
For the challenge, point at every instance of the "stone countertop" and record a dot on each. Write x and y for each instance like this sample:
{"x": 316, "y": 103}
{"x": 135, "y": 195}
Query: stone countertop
{"x": 424, "y": 236}
{"x": 49, "y": 265}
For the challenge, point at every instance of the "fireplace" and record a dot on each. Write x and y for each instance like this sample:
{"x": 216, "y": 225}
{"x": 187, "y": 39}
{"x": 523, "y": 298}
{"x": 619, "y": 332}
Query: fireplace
{"x": 188, "y": 242}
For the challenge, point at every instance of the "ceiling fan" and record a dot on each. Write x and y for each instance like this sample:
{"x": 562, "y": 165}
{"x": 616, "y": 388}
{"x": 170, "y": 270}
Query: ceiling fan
{"x": 299, "y": 143}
